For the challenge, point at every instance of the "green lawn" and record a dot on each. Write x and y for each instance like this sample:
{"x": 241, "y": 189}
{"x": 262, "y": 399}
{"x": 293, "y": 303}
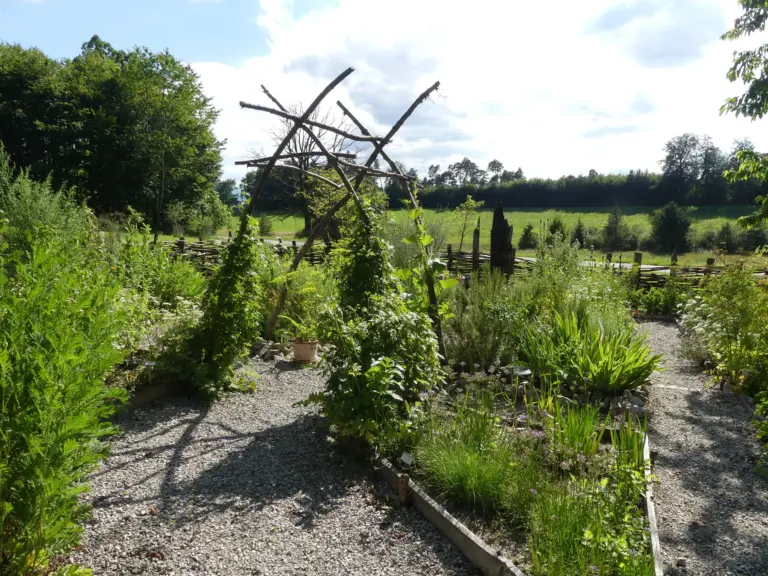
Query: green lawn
{"x": 704, "y": 218}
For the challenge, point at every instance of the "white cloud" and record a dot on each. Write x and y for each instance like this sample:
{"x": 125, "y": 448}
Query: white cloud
{"x": 556, "y": 88}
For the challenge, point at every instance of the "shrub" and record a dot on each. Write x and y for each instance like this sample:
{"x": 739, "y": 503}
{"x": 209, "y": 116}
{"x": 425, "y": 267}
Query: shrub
{"x": 728, "y": 239}
{"x": 528, "y": 238}
{"x": 231, "y": 319}
{"x": 728, "y": 321}
{"x": 381, "y": 355}
{"x": 144, "y": 266}
{"x": 405, "y": 255}
{"x": 670, "y": 226}
{"x": 665, "y": 301}
{"x": 581, "y": 356}
{"x": 616, "y": 234}
{"x": 579, "y": 234}
{"x": 34, "y": 211}
{"x": 755, "y": 238}
{"x": 556, "y": 227}
{"x": 59, "y": 319}
{"x": 265, "y": 225}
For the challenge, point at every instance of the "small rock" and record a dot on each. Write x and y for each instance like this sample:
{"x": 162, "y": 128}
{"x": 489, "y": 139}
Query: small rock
{"x": 681, "y": 562}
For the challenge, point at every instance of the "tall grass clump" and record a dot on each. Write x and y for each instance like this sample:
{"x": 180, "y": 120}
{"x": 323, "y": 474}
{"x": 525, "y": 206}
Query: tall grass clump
{"x": 60, "y": 317}
{"x": 469, "y": 459}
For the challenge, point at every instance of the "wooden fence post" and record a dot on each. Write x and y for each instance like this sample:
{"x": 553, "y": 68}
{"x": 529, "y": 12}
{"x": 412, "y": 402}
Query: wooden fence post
{"x": 673, "y": 264}
{"x": 295, "y": 248}
{"x": 512, "y": 256}
{"x": 449, "y": 249}
{"x": 501, "y": 239}
{"x": 638, "y": 261}
{"x": 476, "y": 250}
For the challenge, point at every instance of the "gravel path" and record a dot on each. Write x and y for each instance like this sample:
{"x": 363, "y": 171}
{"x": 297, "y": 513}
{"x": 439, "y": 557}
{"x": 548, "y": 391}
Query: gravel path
{"x": 249, "y": 486}
{"x": 712, "y": 508}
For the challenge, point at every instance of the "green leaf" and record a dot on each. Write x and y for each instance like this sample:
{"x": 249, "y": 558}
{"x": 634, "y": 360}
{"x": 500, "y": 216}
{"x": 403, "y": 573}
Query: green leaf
{"x": 448, "y": 283}
{"x": 416, "y": 213}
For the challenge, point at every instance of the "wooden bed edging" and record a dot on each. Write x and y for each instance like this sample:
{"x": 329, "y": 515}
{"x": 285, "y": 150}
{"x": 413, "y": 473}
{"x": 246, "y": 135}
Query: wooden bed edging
{"x": 476, "y": 551}
{"x": 650, "y": 509}
{"x": 146, "y": 395}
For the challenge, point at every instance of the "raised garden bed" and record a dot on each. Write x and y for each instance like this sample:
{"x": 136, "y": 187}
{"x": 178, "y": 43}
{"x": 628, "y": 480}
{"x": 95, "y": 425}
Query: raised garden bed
{"x": 487, "y": 559}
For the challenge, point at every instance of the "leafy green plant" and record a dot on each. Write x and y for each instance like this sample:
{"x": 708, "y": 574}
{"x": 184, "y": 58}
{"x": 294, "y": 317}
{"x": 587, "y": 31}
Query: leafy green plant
{"x": 231, "y": 319}
{"x": 727, "y": 320}
{"x": 305, "y": 330}
{"x": 381, "y": 355}
{"x": 577, "y": 430}
{"x": 580, "y": 355}
{"x": 59, "y": 319}
{"x": 665, "y": 301}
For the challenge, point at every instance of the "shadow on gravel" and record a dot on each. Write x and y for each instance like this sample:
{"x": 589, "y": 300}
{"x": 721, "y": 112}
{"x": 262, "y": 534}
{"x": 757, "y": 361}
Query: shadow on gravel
{"x": 723, "y": 474}
{"x": 293, "y": 461}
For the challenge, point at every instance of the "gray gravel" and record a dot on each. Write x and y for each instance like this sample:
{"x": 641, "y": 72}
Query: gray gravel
{"x": 712, "y": 507}
{"x": 249, "y": 486}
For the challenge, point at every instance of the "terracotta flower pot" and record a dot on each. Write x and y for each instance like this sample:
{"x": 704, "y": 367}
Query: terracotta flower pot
{"x": 304, "y": 352}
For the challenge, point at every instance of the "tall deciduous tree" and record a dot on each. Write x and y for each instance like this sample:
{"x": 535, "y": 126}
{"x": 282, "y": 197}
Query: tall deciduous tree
{"x": 750, "y": 67}
{"x": 124, "y": 128}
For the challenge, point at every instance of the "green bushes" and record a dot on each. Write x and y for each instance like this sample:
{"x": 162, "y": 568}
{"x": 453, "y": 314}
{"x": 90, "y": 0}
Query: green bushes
{"x": 670, "y": 226}
{"x": 62, "y": 312}
{"x": 577, "y": 504}
{"x": 528, "y": 238}
{"x": 568, "y": 323}
{"x": 231, "y": 320}
{"x": 381, "y": 356}
{"x": 581, "y": 356}
{"x": 664, "y": 301}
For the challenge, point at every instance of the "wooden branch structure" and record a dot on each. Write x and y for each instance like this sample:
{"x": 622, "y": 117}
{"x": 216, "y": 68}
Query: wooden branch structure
{"x": 337, "y": 162}
{"x": 307, "y": 122}
{"x": 258, "y": 161}
{"x": 291, "y": 133}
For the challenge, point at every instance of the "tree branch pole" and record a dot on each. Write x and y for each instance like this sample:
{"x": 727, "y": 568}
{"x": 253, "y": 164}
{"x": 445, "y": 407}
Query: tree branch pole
{"x": 291, "y": 133}
{"x": 310, "y": 173}
{"x": 318, "y": 228}
{"x": 307, "y": 122}
{"x": 290, "y": 157}
{"x": 429, "y": 277}
{"x": 331, "y": 158}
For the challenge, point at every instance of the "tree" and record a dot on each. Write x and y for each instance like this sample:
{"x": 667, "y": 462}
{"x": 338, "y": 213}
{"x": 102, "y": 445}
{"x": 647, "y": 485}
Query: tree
{"x": 712, "y": 162}
{"x": 467, "y": 172}
{"x": 226, "y": 189}
{"x": 751, "y": 67}
{"x": 680, "y": 166}
{"x": 528, "y": 238}
{"x": 669, "y": 228}
{"x": 123, "y": 128}
{"x": 302, "y": 143}
{"x": 465, "y": 213}
{"x": 579, "y": 234}
{"x": 496, "y": 168}
{"x": 616, "y": 233}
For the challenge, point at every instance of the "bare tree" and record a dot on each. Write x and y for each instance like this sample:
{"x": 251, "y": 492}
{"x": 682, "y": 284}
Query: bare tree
{"x": 300, "y": 151}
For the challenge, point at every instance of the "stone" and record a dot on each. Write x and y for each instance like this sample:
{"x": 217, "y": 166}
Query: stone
{"x": 636, "y": 400}
{"x": 681, "y": 562}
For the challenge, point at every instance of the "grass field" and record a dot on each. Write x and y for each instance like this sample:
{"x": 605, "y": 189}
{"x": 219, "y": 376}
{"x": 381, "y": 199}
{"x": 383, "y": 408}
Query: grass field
{"x": 636, "y": 217}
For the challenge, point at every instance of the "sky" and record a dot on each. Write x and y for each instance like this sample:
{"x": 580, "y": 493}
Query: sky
{"x": 557, "y": 87}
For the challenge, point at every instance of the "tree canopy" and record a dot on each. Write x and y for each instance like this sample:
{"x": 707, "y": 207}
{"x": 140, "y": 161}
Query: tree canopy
{"x": 122, "y": 128}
